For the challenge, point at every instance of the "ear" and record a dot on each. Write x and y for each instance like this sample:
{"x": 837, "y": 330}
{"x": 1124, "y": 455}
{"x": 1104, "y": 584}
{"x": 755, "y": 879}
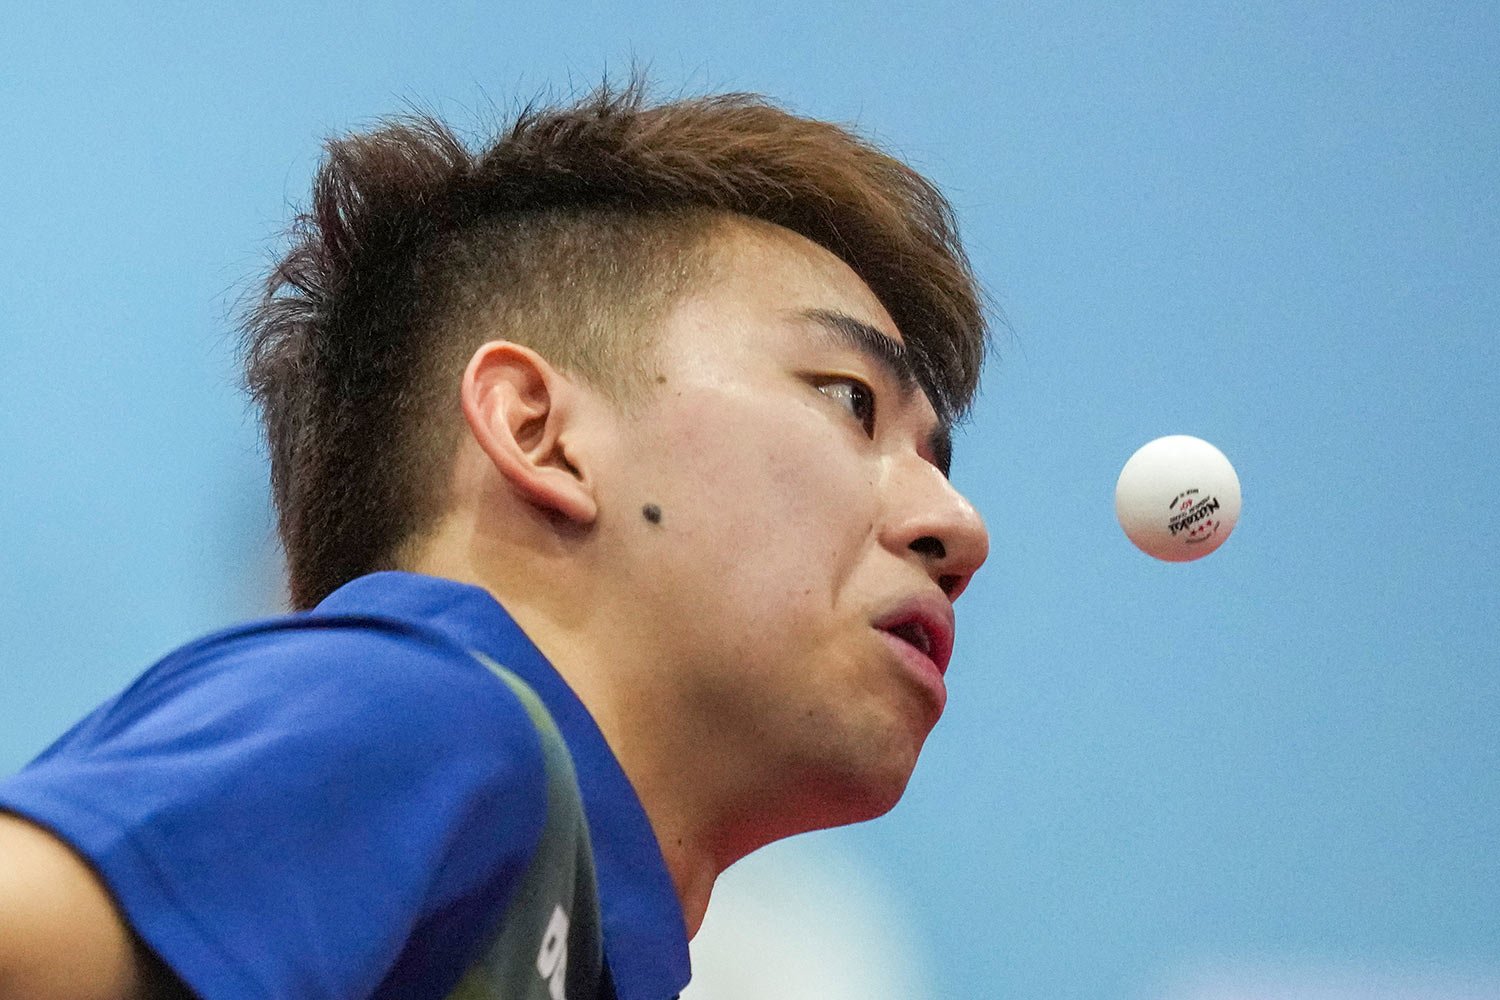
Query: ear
{"x": 521, "y": 411}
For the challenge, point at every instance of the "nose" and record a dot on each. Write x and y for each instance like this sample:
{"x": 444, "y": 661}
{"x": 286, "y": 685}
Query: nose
{"x": 934, "y": 522}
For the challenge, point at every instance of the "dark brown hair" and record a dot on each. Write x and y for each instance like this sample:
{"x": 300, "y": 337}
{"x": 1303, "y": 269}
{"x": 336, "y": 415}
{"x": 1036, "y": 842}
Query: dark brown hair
{"x": 570, "y": 232}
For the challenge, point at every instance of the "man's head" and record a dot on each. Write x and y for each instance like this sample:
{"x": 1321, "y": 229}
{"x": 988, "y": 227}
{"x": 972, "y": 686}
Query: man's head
{"x": 770, "y": 546}
{"x": 573, "y": 233}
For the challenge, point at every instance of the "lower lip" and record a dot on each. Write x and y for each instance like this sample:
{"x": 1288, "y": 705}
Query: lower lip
{"x": 920, "y": 666}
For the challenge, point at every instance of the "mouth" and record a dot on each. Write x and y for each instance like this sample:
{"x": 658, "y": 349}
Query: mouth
{"x": 915, "y": 634}
{"x": 926, "y": 626}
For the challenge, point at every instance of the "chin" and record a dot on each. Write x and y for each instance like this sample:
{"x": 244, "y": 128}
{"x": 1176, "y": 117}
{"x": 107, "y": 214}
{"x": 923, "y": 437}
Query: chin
{"x": 848, "y": 806}
{"x": 886, "y": 790}
{"x": 862, "y": 793}
{"x": 819, "y": 798}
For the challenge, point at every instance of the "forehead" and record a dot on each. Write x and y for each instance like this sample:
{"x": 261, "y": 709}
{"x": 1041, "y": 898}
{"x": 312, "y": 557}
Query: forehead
{"x": 771, "y": 300}
{"x": 769, "y": 277}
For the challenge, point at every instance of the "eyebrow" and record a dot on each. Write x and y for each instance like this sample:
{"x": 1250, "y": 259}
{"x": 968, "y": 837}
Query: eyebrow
{"x": 891, "y": 356}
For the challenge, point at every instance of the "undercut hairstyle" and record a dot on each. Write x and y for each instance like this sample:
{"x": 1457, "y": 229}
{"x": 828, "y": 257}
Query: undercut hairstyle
{"x": 572, "y": 231}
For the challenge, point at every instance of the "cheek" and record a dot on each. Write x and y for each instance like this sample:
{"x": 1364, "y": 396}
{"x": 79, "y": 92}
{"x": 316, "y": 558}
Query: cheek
{"x": 766, "y": 512}
{"x": 782, "y": 481}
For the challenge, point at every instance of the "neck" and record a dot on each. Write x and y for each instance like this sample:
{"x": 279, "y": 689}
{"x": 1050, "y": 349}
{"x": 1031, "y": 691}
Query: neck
{"x": 693, "y": 868}
{"x": 663, "y": 768}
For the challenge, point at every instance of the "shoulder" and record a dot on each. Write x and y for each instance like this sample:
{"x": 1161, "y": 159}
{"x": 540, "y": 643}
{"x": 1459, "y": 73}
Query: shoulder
{"x": 367, "y": 707}
{"x": 370, "y": 679}
{"x": 359, "y": 776}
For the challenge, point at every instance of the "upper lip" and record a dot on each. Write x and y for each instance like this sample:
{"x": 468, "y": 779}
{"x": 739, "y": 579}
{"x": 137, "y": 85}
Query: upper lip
{"x": 933, "y": 617}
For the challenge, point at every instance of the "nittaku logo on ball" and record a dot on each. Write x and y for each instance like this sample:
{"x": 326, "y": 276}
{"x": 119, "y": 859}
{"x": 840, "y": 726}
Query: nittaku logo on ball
{"x": 1191, "y": 517}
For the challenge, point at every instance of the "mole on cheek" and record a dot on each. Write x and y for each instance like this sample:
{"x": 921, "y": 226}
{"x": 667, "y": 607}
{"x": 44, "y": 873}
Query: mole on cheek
{"x": 652, "y": 513}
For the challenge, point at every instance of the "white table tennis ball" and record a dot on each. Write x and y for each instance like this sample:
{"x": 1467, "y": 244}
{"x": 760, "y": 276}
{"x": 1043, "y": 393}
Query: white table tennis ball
{"x": 1178, "y": 498}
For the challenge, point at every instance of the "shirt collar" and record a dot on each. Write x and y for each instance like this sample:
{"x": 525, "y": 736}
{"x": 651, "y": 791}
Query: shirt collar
{"x": 645, "y": 938}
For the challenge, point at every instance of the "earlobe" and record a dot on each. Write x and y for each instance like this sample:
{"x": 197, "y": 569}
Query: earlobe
{"x": 521, "y": 411}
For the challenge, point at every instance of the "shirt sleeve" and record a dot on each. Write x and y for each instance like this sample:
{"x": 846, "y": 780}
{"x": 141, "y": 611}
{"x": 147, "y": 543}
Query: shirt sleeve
{"x": 288, "y": 812}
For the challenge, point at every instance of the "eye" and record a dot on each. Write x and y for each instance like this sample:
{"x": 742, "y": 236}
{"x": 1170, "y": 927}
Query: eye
{"x": 858, "y": 397}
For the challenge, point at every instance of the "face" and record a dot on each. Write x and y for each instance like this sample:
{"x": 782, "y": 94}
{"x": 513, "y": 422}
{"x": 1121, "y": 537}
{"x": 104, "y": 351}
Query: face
{"x": 797, "y": 586}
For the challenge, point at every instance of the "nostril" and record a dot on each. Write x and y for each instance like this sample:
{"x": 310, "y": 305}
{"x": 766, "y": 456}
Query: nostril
{"x": 927, "y": 545}
{"x": 949, "y": 583}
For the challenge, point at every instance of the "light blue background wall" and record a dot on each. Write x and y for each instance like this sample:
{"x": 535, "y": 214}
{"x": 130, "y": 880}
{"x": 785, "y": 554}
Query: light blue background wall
{"x": 1275, "y": 226}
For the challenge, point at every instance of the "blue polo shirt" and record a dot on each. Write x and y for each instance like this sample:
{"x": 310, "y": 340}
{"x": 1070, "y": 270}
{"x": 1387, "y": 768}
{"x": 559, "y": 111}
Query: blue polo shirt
{"x": 339, "y": 803}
